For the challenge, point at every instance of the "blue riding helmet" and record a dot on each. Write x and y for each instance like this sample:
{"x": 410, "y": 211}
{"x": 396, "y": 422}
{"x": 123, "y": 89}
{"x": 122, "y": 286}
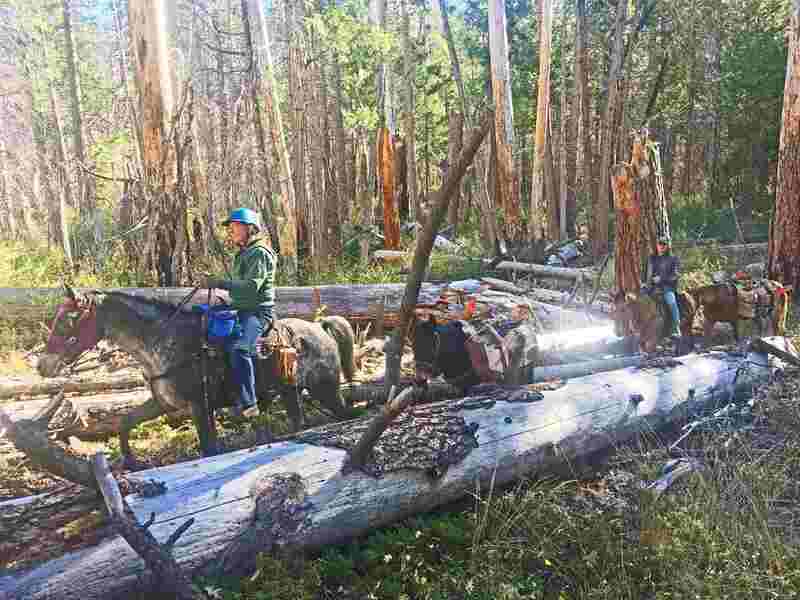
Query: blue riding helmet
{"x": 244, "y": 215}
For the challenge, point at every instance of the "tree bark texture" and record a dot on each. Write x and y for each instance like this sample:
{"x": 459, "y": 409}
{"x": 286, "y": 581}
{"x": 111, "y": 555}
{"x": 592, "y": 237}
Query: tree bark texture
{"x": 626, "y": 183}
{"x": 583, "y": 99}
{"x": 784, "y": 239}
{"x": 503, "y": 117}
{"x": 542, "y": 218}
{"x": 455, "y": 64}
{"x": 386, "y": 169}
{"x": 455, "y": 140}
{"x": 286, "y": 209}
{"x": 601, "y": 201}
{"x": 409, "y": 116}
{"x": 73, "y": 76}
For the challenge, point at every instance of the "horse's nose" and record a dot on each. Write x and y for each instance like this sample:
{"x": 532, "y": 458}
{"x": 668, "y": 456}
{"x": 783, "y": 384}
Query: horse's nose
{"x": 48, "y": 365}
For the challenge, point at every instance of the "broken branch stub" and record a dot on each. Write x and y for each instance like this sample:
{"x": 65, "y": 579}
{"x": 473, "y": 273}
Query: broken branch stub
{"x": 390, "y": 411}
{"x": 156, "y": 556}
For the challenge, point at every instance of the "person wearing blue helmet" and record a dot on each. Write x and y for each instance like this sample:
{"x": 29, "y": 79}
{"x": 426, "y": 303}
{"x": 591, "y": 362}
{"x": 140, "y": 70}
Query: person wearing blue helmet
{"x": 252, "y": 292}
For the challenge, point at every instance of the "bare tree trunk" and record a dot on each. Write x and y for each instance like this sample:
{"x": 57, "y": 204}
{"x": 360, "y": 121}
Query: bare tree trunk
{"x": 146, "y": 21}
{"x": 345, "y": 197}
{"x": 567, "y": 175}
{"x": 331, "y": 225}
{"x": 384, "y": 141}
{"x": 690, "y": 113}
{"x": 601, "y": 204}
{"x": 10, "y": 224}
{"x": 455, "y": 141}
{"x": 541, "y": 221}
{"x": 286, "y": 212}
{"x": 455, "y": 65}
{"x": 65, "y": 190}
{"x": 583, "y": 99}
{"x": 713, "y": 75}
{"x": 409, "y": 117}
{"x": 85, "y": 207}
{"x": 784, "y": 240}
{"x": 504, "y": 116}
{"x": 628, "y": 209}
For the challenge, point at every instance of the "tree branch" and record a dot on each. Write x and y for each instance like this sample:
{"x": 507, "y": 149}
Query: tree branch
{"x": 156, "y": 556}
{"x": 390, "y": 411}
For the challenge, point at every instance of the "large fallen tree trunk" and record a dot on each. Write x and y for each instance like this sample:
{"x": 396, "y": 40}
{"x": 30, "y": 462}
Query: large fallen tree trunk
{"x": 542, "y": 295}
{"x": 357, "y": 303}
{"x": 70, "y": 385}
{"x": 294, "y": 495}
{"x": 545, "y": 271}
{"x": 98, "y": 417}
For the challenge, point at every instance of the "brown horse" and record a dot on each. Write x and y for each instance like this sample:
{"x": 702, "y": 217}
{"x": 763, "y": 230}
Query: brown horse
{"x": 767, "y": 306}
{"x": 648, "y": 317}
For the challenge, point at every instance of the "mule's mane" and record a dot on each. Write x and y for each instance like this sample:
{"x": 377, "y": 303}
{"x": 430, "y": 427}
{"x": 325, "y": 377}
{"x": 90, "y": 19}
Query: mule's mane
{"x": 141, "y": 304}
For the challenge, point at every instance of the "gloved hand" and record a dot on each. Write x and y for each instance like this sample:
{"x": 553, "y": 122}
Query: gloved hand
{"x": 656, "y": 279}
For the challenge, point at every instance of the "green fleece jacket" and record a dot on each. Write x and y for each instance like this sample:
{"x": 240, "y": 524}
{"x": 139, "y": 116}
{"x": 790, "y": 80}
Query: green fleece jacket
{"x": 253, "y": 285}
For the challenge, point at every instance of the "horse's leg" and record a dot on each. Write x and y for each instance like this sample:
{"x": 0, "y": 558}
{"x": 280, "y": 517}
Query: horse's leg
{"x": 327, "y": 392}
{"x": 290, "y": 396}
{"x": 146, "y": 412}
{"x": 206, "y": 427}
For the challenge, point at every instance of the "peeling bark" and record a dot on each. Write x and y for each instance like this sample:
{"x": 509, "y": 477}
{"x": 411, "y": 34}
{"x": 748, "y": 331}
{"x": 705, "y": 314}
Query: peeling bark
{"x": 784, "y": 240}
{"x": 503, "y": 117}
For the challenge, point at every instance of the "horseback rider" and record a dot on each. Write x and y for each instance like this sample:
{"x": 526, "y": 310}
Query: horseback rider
{"x": 663, "y": 269}
{"x": 252, "y": 292}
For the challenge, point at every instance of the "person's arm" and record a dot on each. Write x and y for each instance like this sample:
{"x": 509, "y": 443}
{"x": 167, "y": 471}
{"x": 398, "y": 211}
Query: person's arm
{"x": 259, "y": 269}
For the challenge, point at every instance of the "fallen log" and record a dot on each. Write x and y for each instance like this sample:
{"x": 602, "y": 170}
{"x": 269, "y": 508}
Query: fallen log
{"x": 583, "y": 368}
{"x": 70, "y": 385}
{"x": 90, "y": 418}
{"x": 545, "y": 271}
{"x": 294, "y": 495}
{"x": 542, "y": 295}
{"x": 97, "y": 418}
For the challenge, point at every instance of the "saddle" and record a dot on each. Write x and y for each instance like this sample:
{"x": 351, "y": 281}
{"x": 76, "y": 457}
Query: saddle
{"x": 276, "y": 346}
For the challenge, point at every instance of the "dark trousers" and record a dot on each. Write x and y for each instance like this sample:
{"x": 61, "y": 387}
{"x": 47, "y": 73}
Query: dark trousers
{"x": 241, "y": 351}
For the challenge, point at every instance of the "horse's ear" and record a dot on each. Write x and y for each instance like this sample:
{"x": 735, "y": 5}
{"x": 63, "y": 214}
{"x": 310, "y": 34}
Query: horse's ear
{"x": 69, "y": 292}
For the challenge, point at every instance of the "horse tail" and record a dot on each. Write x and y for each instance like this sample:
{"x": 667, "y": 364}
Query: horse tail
{"x": 340, "y": 330}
